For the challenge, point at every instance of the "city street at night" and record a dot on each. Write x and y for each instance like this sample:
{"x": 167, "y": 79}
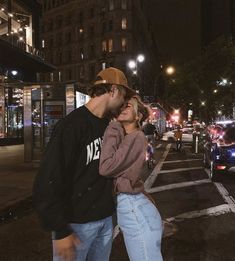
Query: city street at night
{"x": 199, "y": 213}
{"x": 117, "y": 130}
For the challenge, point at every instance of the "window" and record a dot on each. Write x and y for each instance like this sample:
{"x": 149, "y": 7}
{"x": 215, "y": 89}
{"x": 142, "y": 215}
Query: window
{"x": 124, "y": 4}
{"x": 124, "y": 44}
{"x": 103, "y": 27}
{"x": 81, "y": 71}
{"x": 110, "y": 45}
{"x": 43, "y": 43}
{"x": 124, "y": 23}
{"x": 81, "y": 17}
{"x": 59, "y": 76}
{"x": 104, "y": 46}
{"x": 111, "y": 25}
{"x": 81, "y": 51}
{"x": 103, "y": 66}
{"x": 111, "y": 5}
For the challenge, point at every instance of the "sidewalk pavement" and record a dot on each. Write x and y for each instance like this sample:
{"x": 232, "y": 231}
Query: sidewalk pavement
{"x": 16, "y": 177}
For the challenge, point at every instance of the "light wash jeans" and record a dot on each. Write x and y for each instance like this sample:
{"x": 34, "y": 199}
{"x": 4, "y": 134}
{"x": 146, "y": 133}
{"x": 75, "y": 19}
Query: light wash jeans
{"x": 141, "y": 225}
{"x": 96, "y": 240}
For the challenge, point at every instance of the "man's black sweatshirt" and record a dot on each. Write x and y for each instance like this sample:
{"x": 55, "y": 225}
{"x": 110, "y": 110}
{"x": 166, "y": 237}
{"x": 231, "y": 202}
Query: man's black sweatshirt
{"x": 68, "y": 187}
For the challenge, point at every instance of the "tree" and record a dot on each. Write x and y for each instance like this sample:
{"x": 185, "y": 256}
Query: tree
{"x": 203, "y": 80}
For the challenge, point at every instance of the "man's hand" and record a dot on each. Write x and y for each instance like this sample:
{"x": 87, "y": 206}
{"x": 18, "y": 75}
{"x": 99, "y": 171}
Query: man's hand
{"x": 65, "y": 248}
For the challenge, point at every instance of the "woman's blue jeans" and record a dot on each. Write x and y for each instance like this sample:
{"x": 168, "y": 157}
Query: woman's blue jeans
{"x": 141, "y": 225}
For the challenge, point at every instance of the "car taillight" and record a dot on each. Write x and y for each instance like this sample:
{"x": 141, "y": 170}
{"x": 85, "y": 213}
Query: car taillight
{"x": 219, "y": 167}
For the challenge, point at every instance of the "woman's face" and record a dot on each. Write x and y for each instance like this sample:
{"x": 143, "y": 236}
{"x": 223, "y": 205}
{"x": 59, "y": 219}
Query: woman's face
{"x": 128, "y": 113}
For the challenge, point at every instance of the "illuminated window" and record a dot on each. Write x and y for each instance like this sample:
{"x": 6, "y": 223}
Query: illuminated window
{"x": 43, "y": 43}
{"x": 124, "y": 23}
{"x": 103, "y": 66}
{"x": 104, "y": 46}
{"x": 110, "y": 45}
{"x": 124, "y": 44}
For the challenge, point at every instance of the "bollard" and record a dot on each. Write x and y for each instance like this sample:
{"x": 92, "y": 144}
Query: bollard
{"x": 196, "y": 145}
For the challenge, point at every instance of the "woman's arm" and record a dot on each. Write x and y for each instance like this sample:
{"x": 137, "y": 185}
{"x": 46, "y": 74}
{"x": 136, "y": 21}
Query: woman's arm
{"x": 118, "y": 156}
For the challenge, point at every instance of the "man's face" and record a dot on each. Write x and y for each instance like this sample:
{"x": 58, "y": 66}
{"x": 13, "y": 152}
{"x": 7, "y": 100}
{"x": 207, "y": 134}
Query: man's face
{"x": 117, "y": 99}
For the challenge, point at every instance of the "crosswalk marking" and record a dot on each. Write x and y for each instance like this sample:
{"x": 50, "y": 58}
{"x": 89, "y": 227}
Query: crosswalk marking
{"x": 152, "y": 177}
{"x": 225, "y": 194}
{"x": 176, "y": 161}
{"x": 178, "y": 185}
{"x": 180, "y": 169}
{"x": 213, "y": 211}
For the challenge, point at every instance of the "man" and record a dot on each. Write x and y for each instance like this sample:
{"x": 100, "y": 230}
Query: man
{"x": 178, "y": 138}
{"x": 71, "y": 198}
{"x": 149, "y": 130}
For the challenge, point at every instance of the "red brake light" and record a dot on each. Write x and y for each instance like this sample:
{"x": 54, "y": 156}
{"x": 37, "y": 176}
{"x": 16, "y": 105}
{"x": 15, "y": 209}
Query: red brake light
{"x": 219, "y": 167}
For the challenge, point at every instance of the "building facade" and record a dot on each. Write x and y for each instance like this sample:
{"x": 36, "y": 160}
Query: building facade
{"x": 82, "y": 37}
{"x": 20, "y": 61}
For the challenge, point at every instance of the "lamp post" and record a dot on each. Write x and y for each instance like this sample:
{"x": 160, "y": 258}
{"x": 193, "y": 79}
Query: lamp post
{"x": 133, "y": 64}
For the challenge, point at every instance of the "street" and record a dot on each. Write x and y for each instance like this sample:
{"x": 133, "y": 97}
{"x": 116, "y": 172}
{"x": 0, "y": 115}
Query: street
{"x": 201, "y": 211}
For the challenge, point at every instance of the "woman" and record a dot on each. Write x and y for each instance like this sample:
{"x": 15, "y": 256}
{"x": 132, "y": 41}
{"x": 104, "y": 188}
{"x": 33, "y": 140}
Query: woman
{"x": 122, "y": 157}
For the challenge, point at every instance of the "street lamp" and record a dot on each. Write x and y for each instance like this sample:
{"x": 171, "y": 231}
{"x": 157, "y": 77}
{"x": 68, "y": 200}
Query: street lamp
{"x": 133, "y": 64}
{"x": 170, "y": 70}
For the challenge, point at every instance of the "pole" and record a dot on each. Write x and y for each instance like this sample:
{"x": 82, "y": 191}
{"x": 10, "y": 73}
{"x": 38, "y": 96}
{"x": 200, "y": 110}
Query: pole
{"x": 196, "y": 145}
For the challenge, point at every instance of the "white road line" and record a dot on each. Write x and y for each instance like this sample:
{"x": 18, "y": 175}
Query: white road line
{"x": 159, "y": 146}
{"x": 176, "y": 161}
{"x": 178, "y": 185}
{"x": 225, "y": 194}
{"x": 180, "y": 169}
{"x": 152, "y": 177}
{"x": 213, "y": 211}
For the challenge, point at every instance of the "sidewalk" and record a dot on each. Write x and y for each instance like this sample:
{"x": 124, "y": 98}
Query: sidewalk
{"x": 16, "y": 177}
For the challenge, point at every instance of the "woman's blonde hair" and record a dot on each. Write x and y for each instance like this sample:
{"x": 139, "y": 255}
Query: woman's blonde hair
{"x": 141, "y": 110}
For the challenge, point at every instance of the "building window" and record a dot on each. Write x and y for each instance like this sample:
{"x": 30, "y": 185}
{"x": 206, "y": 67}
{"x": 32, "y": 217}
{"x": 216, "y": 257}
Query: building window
{"x": 59, "y": 76}
{"x": 110, "y": 25}
{"x": 81, "y": 72}
{"x": 124, "y": 23}
{"x": 103, "y": 27}
{"x": 92, "y": 51}
{"x": 103, "y": 66}
{"x": 104, "y": 46}
{"x": 81, "y": 51}
{"x": 124, "y": 4}
{"x": 124, "y": 44}
{"x": 43, "y": 43}
{"x": 111, "y": 5}
{"x": 81, "y": 18}
{"x": 110, "y": 45}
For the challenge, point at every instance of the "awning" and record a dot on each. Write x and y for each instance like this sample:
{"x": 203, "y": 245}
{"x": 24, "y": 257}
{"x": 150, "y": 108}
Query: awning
{"x": 13, "y": 57}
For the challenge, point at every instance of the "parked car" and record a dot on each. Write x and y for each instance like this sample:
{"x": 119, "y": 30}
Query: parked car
{"x": 219, "y": 155}
{"x": 187, "y": 135}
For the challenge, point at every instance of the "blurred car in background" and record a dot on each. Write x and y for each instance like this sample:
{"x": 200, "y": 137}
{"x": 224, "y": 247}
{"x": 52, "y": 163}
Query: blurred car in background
{"x": 219, "y": 154}
{"x": 187, "y": 135}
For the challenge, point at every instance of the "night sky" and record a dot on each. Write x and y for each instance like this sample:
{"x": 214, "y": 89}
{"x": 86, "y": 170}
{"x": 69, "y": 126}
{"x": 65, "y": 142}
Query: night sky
{"x": 177, "y": 28}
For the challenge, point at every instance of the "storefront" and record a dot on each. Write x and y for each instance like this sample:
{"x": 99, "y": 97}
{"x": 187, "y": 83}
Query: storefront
{"x": 11, "y": 114}
{"x": 44, "y": 106}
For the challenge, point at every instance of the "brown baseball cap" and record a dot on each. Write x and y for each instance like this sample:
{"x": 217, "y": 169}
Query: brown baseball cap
{"x": 113, "y": 75}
